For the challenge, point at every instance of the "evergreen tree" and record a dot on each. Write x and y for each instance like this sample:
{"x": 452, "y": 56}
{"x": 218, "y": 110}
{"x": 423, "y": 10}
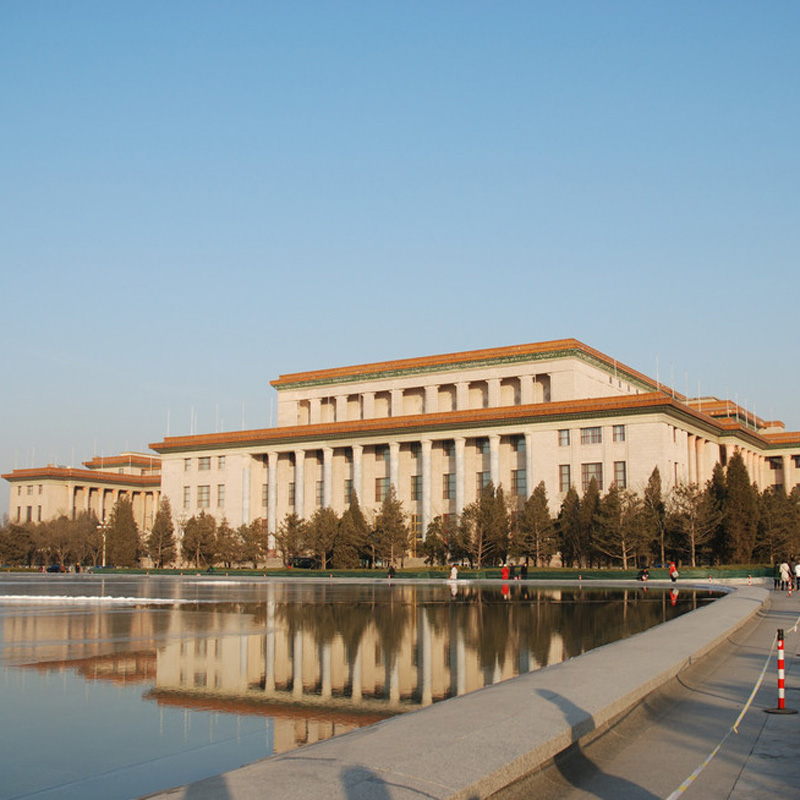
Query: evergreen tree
{"x": 352, "y": 539}
{"x": 656, "y": 513}
{"x": 122, "y": 535}
{"x": 321, "y": 534}
{"x": 228, "y": 545}
{"x": 291, "y": 538}
{"x": 200, "y": 540}
{"x": 590, "y": 505}
{"x": 161, "y": 545}
{"x": 434, "y": 549}
{"x": 17, "y": 546}
{"x": 694, "y": 516}
{"x": 741, "y": 512}
{"x": 619, "y": 531}
{"x": 777, "y": 523}
{"x": 484, "y": 528}
{"x": 253, "y": 541}
{"x": 535, "y": 529}
{"x": 391, "y": 533}
{"x": 568, "y": 526}
{"x": 717, "y": 492}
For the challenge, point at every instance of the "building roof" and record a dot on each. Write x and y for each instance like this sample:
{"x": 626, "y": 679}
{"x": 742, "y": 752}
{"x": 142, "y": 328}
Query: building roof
{"x": 142, "y": 460}
{"x": 52, "y": 472}
{"x": 558, "y": 348}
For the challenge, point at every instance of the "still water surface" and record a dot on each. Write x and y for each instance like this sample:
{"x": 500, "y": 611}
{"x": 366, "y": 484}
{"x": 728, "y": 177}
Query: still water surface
{"x": 116, "y": 686}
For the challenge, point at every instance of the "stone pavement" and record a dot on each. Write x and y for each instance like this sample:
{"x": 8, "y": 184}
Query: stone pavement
{"x": 653, "y": 705}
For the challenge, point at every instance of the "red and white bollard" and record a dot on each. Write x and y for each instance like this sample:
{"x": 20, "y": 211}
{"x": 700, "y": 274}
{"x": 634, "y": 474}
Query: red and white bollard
{"x": 781, "y": 709}
{"x": 749, "y": 580}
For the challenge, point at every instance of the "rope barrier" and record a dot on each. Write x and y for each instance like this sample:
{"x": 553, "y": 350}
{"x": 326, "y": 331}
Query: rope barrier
{"x": 735, "y": 727}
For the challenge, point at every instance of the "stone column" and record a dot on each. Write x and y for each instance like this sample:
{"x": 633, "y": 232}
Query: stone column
{"x": 245, "y": 490}
{"x": 397, "y": 402}
{"x": 327, "y": 476}
{"x": 529, "y": 484}
{"x": 315, "y": 413}
{"x": 299, "y": 483}
{"x": 493, "y": 392}
{"x": 462, "y": 396}
{"x": 341, "y": 407}
{"x": 297, "y": 664}
{"x": 272, "y": 498}
{"x": 427, "y": 478}
{"x": 526, "y": 389}
{"x": 494, "y": 459}
{"x": 394, "y": 466}
{"x": 691, "y": 458}
{"x": 461, "y": 499}
{"x": 358, "y": 453}
{"x": 786, "y": 462}
{"x": 368, "y": 405}
{"x": 269, "y": 644}
{"x": 431, "y": 399}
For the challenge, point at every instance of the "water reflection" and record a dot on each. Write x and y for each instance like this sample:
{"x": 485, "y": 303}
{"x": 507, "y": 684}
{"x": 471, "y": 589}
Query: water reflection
{"x": 314, "y": 659}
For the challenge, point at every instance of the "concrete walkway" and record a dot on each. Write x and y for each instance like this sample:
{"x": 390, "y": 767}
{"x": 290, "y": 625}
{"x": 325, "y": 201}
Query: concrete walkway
{"x": 630, "y": 720}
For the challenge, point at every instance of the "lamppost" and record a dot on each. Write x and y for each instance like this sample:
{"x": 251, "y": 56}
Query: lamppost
{"x": 103, "y": 528}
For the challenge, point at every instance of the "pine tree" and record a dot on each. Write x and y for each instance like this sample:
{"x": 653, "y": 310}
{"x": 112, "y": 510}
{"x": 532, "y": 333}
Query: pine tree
{"x": 434, "y": 548}
{"x": 291, "y": 538}
{"x": 200, "y": 540}
{"x": 568, "y": 527}
{"x": 161, "y": 545}
{"x": 122, "y": 535}
{"x": 741, "y": 512}
{"x": 254, "y": 540}
{"x": 228, "y": 545}
{"x": 391, "y": 533}
{"x": 590, "y": 504}
{"x": 694, "y": 516}
{"x": 352, "y": 539}
{"x": 656, "y": 512}
{"x": 535, "y": 529}
{"x": 321, "y": 534}
{"x": 619, "y": 531}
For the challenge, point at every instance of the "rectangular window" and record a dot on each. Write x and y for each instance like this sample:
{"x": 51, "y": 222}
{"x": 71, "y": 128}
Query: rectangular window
{"x": 29, "y": 515}
{"x": 41, "y": 488}
{"x": 220, "y": 462}
{"x": 415, "y": 524}
{"x": 382, "y": 453}
{"x": 187, "y": 496}
{"x": 447, "y": 449}
{"x": 482, "y": 446}
{"x": 589, "y": 471}
{"x": 563, "y": 438}
{"x": 38, "y": 513}
{"x": 291, "y": 499}
{"x": 220, "y": 495}
{"x": 482, "y": 480}
{"x": 518, "y": 444}
{"x": 30, "y": 490}
{"x": 381, "y": 489}
{"x": 449, "y": 486}
{"x": 348, "y": 490}
{"x": 416, "y": 487}
{"x": 187, "y": 464}
{"x": 618, "y": 433}
{"x": 621, "y": 474}
{"x": 264, "y": 495}
{"x": 591, "y": 435}
{"x": 564, "y": 478}
{"x": 519, "y": 482}
{"x": 320, "y": 498}
{"x": 204, "y": 463}
{"x": 203, "y": 496}
{"x": 416, "y": 449}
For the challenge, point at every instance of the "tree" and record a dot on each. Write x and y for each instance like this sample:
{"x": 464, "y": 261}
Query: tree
{"x": 321, "y": 534}
{"x": 777, "y": 524}
{"x": 353, "y": 537}
{"x": 434, "y": 548}
{"x": 568, "y": 525}
{"x": 695, "y": 516}
{"x": 161, "y": 545}
{"x": 590, "y": 505}
{"x": 290, "y": 538}
{"x": 484, "y": 527}
{"x": 656, "y": 512}
{"x": 228, "y": 546}
{"x": 17, "y": 546}
{"x": 619, "y": 531}
{"x": 253, "y": 538}
{"x": 122, "y": 535}
{"x": 199, "y": 540}
{"x": 391, "y": 529}
{"x": 741, "y": 512}
{"x": 535, "y": 528}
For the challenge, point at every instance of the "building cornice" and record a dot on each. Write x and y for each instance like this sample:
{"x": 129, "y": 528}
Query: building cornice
{"x": 523, "y": 353}
{"x": 468, "y": 420}
{"x": 83, "y": 476}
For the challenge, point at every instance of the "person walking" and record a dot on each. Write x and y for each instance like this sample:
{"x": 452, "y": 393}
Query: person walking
{"x": 797, "y": 575}
{"x": 785, "y": 575}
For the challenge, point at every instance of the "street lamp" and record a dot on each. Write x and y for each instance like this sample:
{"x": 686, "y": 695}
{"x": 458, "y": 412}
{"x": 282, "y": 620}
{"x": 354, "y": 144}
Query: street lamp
{"x": 103, "y": 528}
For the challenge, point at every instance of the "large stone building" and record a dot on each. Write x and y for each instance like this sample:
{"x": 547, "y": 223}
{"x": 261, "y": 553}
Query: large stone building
{"x": 44, "y": 493}
{"x": 439, "y": 428}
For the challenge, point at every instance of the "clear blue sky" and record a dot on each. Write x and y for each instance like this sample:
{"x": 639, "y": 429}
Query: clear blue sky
{"x": 196, "y": 197}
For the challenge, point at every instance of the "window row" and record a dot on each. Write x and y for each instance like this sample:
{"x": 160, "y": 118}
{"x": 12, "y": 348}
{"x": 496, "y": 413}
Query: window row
{"x": 203, "y": 463}
{"x": 592, "y": 470}
{"x": 593, "y": 435}
{"x": 204, "y": 496}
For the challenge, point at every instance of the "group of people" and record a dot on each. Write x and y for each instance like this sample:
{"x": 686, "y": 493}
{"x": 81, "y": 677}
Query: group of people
{"x": 787, "y": 575}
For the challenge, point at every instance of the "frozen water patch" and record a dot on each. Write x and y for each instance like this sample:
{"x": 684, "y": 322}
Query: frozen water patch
{"x": 63, "y": 599}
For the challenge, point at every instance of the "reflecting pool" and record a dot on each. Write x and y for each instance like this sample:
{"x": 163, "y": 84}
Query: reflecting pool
{"x": 116, "y": 686}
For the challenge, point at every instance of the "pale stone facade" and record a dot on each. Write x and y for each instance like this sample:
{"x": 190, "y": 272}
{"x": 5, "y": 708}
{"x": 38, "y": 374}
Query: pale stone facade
{"x": 45, "y": 493}
{"x": 437, "y": 428}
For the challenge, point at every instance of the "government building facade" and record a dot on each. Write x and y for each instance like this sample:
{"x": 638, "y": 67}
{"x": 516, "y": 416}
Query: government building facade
{"x": 439, "y": 428}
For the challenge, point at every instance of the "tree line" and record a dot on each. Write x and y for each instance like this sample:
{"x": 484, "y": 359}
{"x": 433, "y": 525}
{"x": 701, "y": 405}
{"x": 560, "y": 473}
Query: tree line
{"x": 726, "y": 521}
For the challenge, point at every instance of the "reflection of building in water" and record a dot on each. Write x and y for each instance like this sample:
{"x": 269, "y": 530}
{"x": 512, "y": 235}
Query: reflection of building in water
{"x": 376, "y": 656}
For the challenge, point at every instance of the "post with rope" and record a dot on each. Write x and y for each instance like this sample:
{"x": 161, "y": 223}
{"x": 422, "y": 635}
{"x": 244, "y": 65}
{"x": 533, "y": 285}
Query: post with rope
{"x": 781, "y": 709}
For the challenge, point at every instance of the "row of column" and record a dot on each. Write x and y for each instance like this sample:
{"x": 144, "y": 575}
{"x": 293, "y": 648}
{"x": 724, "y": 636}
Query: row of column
{"x": 530, "y": 391}
{"x": 426, "y": 446}
{"x": 139, "y": 499}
